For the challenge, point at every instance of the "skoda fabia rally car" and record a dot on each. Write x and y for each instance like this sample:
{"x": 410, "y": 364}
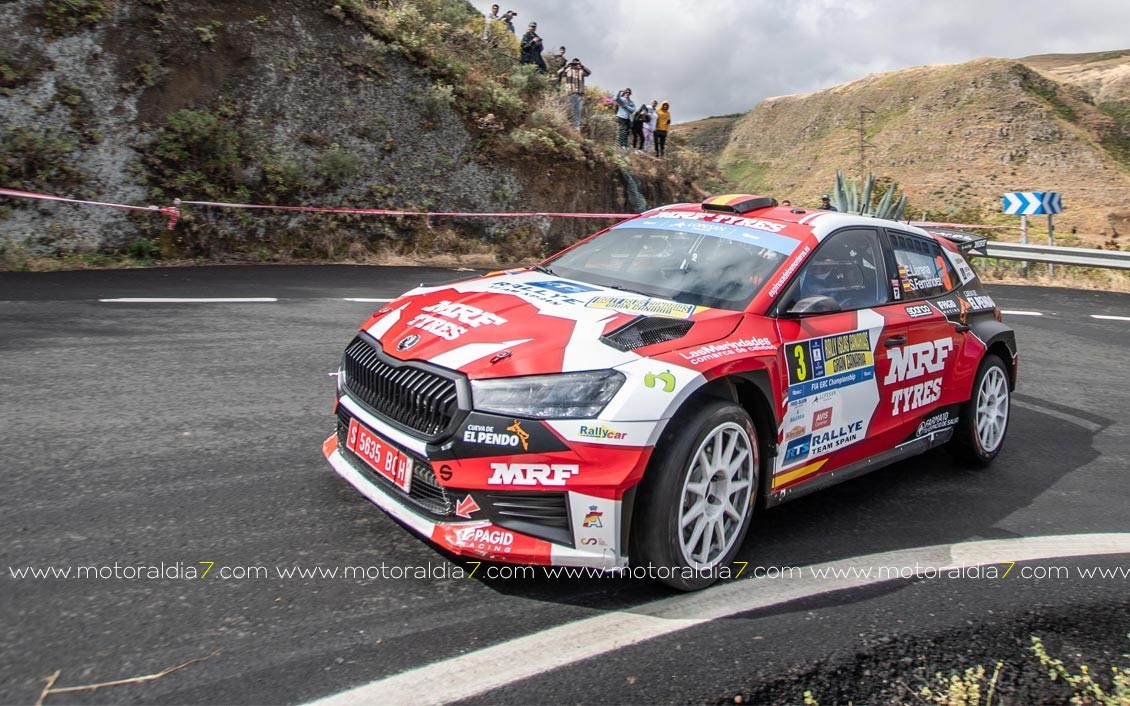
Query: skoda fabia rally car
{"x": 632, "y": 399}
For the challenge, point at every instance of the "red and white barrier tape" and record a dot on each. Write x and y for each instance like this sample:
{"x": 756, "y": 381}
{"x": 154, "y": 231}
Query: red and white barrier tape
{"x": 387, "y": 212}
{"x": 932, "y": 224}
{"x": 171, "y": 212}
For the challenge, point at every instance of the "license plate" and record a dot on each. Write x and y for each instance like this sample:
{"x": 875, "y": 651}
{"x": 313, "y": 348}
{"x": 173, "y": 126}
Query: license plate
{"x": 382, "y": 457}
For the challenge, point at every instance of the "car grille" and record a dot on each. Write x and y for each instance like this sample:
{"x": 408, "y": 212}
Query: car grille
{"x": 426, "y": 494}
{"x": 409, "y": 396}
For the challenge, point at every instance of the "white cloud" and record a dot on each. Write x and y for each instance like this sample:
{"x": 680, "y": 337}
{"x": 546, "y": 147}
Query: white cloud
{"x": 713, "y": 57}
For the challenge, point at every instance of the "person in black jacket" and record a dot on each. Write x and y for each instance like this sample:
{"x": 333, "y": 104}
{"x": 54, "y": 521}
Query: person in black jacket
{"x": 639, "y": 119}
{"x": 531, "y": 48}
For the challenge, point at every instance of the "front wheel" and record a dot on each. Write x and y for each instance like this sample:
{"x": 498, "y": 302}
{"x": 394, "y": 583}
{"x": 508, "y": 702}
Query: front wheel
{"x": 696, "y": 498}
{"x": 983, "y": 420}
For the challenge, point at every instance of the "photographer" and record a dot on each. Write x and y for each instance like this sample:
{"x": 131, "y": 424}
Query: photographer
{"x": 531, "y": 48}
{"x": 508, "y": 20}
{"x": 574, "y": 74}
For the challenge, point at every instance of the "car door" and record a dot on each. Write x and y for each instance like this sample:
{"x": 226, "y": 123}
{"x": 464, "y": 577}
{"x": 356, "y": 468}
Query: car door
{"x": 835, "y": 338}
{"x": 922, "y": 369}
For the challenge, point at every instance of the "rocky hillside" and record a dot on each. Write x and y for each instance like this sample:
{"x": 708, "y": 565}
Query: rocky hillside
{"x": 354, "y": 103}
{"x": 955, "y": 137}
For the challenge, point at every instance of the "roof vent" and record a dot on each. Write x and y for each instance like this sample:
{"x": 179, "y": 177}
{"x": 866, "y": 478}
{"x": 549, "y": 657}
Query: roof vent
{"x": 737, "y": 203}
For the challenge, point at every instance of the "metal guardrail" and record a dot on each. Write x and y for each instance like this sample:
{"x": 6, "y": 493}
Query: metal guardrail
{"x": 1082, "y": 257}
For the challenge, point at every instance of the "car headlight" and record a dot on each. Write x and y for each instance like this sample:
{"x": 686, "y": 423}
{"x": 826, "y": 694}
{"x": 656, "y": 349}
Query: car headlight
{"x": 564, "y": 396}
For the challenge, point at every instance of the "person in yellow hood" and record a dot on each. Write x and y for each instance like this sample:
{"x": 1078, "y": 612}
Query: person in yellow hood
{"x": 662, "y": 125}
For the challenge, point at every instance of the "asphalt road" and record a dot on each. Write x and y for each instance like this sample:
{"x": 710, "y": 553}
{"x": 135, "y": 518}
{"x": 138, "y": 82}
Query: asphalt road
{"x": 183, "y": 433}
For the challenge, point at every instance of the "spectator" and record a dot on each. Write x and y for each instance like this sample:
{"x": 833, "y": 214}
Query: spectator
{"x": 492, "y": 16}
{"x": 639, "y": 119}
{"x": 508, "y": 20}
{"x": 649, "y": 126}
{"x": 826, "y": 203}
{"x": 662, "y": 125}
{"x": 556, "y": 62}
{"x": 574, "y": 74}
{"x": 624, "y": 109}
{"x": 531, "y": 47}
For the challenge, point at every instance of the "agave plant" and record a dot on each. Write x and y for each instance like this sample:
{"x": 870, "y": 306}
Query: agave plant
{"x": 851, "y": 197}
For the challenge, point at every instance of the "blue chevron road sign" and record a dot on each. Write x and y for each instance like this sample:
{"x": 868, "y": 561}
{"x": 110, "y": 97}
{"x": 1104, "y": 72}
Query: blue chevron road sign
{"x": 1033, "y": 203}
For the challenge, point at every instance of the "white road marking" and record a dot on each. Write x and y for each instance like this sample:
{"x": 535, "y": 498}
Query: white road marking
{"x": 371, "y": 301}
{"x": 190, "y": 300}
{"x": 1110, "y": 318}
{"x": 1070, "y": 418}
{"x": 524, "y": 657}
{"x": 1021, "y": 313}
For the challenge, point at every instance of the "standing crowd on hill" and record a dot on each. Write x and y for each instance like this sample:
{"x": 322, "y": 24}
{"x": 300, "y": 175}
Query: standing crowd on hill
{"x": 648, "y": 125}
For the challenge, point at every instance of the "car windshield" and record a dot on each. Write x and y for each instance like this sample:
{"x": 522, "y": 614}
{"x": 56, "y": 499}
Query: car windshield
{"x": 689, "y": 260}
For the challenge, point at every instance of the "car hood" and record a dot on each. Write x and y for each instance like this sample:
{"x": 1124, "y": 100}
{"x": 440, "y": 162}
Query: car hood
{"x": 528, "y": 323}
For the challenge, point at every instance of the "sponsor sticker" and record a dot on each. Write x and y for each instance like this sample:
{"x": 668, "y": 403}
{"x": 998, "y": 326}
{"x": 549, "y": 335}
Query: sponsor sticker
{"x": 528, "y": 474}
{"x": 822, "y": 364}
{"x": 535, "y": 293}
{"x": 592, "y": 518}
{"x": 918, "y": 311}
{"x": 600, "y": 432}
{"x": 563, "y": 286}
{"x": 713, "y": 351}
{"x": 652, "y": 307}
{"x": 938, "y": 422}
{"x": 486, "y": 434}
{"x": 450, "y": 320}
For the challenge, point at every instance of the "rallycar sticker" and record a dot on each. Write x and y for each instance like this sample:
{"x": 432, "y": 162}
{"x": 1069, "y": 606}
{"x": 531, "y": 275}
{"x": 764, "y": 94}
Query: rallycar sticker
{"x": 832, "y": 394}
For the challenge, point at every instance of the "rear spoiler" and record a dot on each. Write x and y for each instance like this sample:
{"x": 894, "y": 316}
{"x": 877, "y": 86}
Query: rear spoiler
{"x": 965, "y": 242}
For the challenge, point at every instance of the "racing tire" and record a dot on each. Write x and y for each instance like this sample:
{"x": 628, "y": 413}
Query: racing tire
{"x": 696, "y": 498}
{"x": 983, "y": 420}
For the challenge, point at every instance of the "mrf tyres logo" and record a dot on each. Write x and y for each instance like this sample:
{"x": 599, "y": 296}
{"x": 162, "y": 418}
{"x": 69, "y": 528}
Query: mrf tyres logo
{"x": 449, "y": 320}
{"x": 913, "y": 362}
{"x": 532, "y": 473}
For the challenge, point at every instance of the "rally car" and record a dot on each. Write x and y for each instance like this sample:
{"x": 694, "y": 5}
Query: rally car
{"x": 632, "y": 399}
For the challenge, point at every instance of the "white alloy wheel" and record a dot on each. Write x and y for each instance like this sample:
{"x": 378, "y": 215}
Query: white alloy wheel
{"x": 716, "y": 495}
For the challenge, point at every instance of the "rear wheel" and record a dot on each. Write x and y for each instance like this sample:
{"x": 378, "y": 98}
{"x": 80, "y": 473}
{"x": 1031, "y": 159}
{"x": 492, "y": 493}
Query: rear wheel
{"x": 696, "y": 499}
{"x": 983, "y": 422}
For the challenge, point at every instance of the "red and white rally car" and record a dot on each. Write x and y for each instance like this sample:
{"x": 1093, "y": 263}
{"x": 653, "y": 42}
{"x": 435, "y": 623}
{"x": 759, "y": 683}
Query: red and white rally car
{"x": 633, "y": 398}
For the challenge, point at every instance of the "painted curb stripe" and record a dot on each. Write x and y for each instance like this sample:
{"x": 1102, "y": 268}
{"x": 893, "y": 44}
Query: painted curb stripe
{"x": 512, "y": 661}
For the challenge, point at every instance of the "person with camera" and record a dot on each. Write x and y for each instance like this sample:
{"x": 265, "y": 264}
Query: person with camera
{"x": 531, "y": 48}
{"x": 508, "y": 20}
{"x": 625, "y": 107}
{"x": 574, "y": 74}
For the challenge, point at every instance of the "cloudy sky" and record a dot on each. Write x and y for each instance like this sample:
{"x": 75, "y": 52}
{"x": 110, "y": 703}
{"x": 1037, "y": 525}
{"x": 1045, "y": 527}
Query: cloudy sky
{"x": 713, "y": 57}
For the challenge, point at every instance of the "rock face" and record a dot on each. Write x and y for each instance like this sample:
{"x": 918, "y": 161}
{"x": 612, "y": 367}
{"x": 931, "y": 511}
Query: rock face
{"x": 287, "y": 101}
{"x": 955, "y": 138}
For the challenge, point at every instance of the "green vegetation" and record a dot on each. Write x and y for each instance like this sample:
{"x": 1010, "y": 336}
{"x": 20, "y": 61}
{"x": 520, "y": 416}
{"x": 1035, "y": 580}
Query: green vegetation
{"x": 1117, "y": 141}
{"x": 1048, "y": 92}
{"x": 855, "y": 197}
{"x": 38, "y": 160}
{"x": 974, "y": 686}
{"x": 748, "y": 174}
{"x": 207, "y": 33}
{"x": 68, "y": 16}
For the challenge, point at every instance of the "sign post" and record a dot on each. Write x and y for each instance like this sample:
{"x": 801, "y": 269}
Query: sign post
{"x": 1034, "y": 203}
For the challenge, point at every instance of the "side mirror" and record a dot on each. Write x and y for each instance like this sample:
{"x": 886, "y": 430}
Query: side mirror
{"x": 811, "y": 306}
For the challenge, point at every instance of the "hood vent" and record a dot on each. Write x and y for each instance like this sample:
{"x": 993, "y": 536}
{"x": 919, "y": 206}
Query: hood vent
{"x": 646, "y": 331}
